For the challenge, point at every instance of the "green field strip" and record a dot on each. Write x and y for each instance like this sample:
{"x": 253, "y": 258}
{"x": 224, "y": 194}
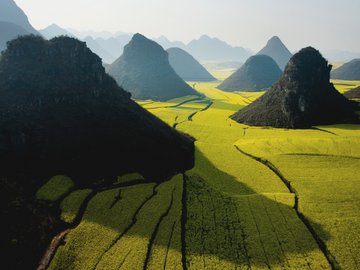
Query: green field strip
{"x": 135, "y": 242}
{"x": 329, "y": 197}
{"x": 321, "y": 243}
{"x": 55, "y": 189}
{"x": 210, "y": 242}
{"x": 165, "y": 251}
{"x": 71, "y": 205}
{"x": 99, "y": 227}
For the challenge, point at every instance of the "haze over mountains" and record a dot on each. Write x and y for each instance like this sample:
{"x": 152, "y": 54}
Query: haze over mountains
{"x": 54, "y": 30}
{"x": 10, "y": 12}
{"x": 13, "y": 22}
{"x": 203, "y": 49}
{"x": 348, "y": 71}
{"x": 144, "y": 70}
{"x": 9, "y": 31}
{"x": 187, "y": 67}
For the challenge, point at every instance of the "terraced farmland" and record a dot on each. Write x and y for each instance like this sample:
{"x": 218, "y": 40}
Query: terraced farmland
{"x": 257, "y": 198}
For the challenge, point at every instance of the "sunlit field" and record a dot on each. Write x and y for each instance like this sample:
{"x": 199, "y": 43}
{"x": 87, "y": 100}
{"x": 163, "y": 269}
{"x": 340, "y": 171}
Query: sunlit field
{"x": 258, "y": 197}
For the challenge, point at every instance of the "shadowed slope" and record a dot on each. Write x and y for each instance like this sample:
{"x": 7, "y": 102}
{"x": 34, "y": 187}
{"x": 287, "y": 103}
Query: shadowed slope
{"x": 61, "y": 113}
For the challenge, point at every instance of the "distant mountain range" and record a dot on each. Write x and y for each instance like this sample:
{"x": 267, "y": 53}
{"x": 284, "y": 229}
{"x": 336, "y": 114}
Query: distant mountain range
{"x": 207, "y": 48}
{"x": 203, "y": 49}
{"x": 13, "y": 22}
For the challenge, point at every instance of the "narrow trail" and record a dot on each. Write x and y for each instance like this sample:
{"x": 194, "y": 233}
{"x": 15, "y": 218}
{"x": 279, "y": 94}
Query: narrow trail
{"x": 321, "y": 244}
{"x": 190, "y": 117}
{"x": 176, "y": 105}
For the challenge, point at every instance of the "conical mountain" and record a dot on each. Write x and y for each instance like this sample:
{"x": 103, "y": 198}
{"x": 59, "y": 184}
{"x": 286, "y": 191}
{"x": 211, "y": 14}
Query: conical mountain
{"x": 187, "y": 67}
{"x": 10, "y": 12}
{"x": 348, "y": 71}
{"x": 353, "y": 93}
{"x": 303, "y": 97}
{"x": 276, "y": 49}
{"x": 61, "y": 113}
{"x": 9, "y": 31}
{"x": 144, "y": 71}
{"x": 258, "y": 73}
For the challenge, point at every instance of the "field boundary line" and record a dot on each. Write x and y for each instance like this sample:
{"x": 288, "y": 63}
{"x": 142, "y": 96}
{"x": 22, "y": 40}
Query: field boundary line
{"x": 321, "y": 244}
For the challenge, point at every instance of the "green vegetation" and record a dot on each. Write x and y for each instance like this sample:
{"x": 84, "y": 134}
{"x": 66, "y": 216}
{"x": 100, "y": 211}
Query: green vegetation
{"x": 130, "y": 177}
{"x": 344, "y": 85}
{"x": 71, "y": 204}
{"x": 55, "y": 188}
{"x": 257, "y": 198}
{"x": 127, "y": 227}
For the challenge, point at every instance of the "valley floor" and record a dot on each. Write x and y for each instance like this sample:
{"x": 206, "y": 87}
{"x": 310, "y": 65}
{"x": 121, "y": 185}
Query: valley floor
{"x": 257, "y": 198}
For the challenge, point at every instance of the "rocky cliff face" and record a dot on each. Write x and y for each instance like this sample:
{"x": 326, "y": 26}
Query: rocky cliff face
{"x": 145, "y": 72}
{"x": 303, "y": 97}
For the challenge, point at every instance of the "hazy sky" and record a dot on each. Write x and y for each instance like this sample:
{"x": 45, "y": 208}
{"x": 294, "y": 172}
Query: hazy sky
{"x": 325, "y": 24}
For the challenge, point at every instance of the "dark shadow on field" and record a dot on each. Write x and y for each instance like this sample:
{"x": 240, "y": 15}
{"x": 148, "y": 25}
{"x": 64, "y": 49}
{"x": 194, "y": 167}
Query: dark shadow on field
{"x": 243, "y": 230}
{"x": 219, "y": 240}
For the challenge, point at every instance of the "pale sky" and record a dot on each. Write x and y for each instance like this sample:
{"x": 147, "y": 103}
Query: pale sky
{"x": 324, "y": 24}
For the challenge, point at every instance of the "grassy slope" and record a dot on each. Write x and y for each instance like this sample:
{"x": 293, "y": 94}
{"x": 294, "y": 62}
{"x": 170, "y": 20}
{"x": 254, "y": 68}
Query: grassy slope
{"x": 240, "y": 214}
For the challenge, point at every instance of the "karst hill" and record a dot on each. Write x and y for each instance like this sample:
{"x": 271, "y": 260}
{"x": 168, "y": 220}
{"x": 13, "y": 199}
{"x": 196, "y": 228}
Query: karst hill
{"x": 303, "y": 97}
{"x": 144, "y": 70}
